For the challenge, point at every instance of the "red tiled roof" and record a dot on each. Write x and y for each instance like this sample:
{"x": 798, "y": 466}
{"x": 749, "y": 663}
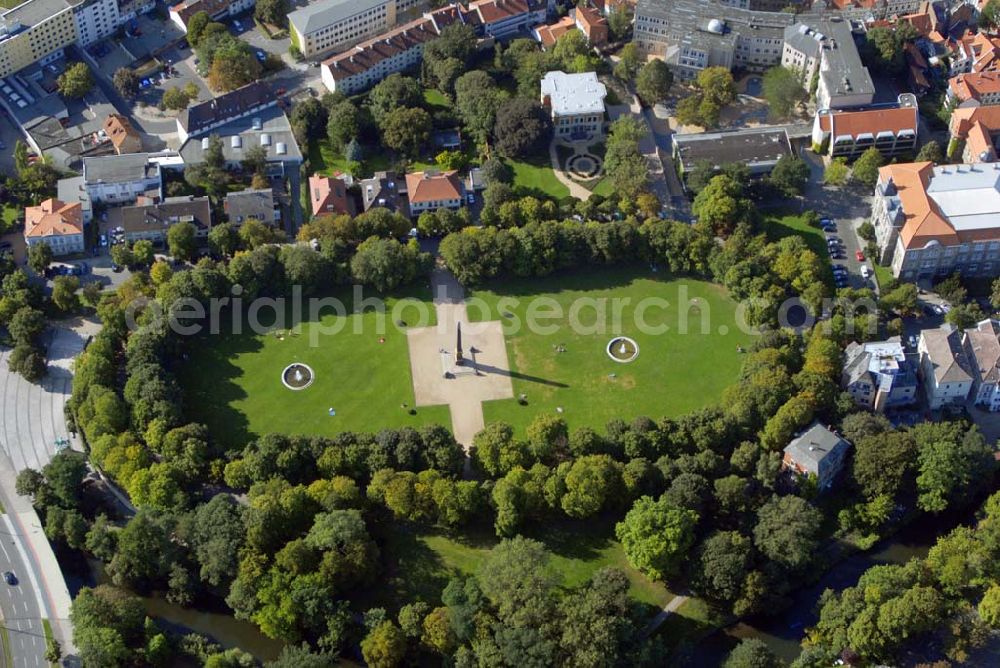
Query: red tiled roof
{"x": 974, "y": 86}
{"x": 328, "y": 195}
{"x": 430, "y": 187}
{"x": 53, "y": 217}
{"x": 873, "y": 121}
{"x": 548, "y": 34}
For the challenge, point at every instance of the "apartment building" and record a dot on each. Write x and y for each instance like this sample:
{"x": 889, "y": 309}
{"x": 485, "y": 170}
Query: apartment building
{"x": 982, "y": 349}
{"x": 848, "y": 134}
{"x": 430, "y": 191}
{"x": 35, "y": 32}
{"x": 974, "y": 132}
{"x": 58, "y": 224}
{"x": 878, "y": 375}
{"x": 935, "y": 220}
{"x": 96, "y": 20}
{"x": 256, "y": 204}
{"x": 972, "y": 90}
{"x": 335, "y": 24}
{"x": 944, "y": 367}
{"x": 269, "y": 129}
{"x": 203, "y": 118}
{"x": 576, "y": 103}
{"x": 361, "y": 67}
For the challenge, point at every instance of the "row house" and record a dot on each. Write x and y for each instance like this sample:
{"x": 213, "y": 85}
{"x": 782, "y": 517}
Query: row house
{"x": 368, "y": 63}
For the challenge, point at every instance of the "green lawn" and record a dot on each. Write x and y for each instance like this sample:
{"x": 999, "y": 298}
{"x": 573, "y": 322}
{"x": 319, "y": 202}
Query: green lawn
{"x": 675, "y": 371}
{"x": 534, "y": 176}
{"x": 780, "y": 226}
{"x": 425, "y": 557}
{"x": 324, "y": 160}
{"x": 8, "y": 216}
{"x": 435, "y": 98}
{"x": 233, "y": 382}
{"x": 882, "y": 274}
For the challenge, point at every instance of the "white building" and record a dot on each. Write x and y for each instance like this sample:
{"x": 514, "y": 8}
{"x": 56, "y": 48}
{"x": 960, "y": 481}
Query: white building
{"x": 576, "y": 102}
{"x": 944, "y": 367}
{"x": 335, "y": 24}
{"x": 120, "y": 179}
{"x": 361, "y": 67}
{"x": 982, "y": 349}
{"x": 96, "y": 20}
{"x": 56, "y": 223}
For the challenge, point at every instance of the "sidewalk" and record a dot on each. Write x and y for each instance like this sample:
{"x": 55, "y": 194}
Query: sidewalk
{"x": 53, "y": 594}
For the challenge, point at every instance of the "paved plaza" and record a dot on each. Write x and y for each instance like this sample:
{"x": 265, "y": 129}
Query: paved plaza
{"x": 484, "y": 376}
{"x": 31, "y": 415}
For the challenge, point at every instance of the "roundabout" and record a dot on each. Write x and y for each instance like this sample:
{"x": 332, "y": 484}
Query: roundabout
{"x": 622, "y": 349}
{"x": 297, "y": 376}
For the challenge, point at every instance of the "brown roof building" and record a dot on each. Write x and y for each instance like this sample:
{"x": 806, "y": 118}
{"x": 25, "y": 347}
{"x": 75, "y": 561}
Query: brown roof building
{"x": 123, "y": 136}
{"x": 328, "y": 195}
{"x": 56, "y": 223}
{"x": 592, "y": 24}
{"x": 978, "y": 128}
{"x": 548, "y": 34}
{"x": 970, "y": 90}
{"x": 935, "y": 220}
{"x": 367, "y": 63}
{"x": 430, "y": 191}
{"x": 850, "y": 133}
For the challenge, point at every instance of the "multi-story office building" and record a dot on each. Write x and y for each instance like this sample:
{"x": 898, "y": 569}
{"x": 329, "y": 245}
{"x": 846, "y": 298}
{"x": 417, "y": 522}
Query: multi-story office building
{"x": 935, "y": 220}
{"x": 35, "y": 32}
{"x": 336, "y": 24}
{"x": 848, "y": 134}
{"x": 691, "y": 35}
{"x": 506, "y": 18}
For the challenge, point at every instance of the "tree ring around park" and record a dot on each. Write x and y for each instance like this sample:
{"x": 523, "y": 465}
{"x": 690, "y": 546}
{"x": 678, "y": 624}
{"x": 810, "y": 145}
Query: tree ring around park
{"x": 297, "y": 376}
{"x": 622, "y": 349}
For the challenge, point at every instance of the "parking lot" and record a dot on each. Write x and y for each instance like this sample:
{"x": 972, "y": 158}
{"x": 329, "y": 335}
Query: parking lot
{"x": 256, "y": 37}
{"x": 8, "y": 136}
{"x": 146, "y": 36}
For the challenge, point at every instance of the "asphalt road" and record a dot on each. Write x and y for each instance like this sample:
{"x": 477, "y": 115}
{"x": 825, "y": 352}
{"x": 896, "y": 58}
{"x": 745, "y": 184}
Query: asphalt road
{"x": 19, "y": 603}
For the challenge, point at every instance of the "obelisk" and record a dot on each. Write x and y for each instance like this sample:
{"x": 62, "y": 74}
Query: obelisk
{"x": 459, "y": 359}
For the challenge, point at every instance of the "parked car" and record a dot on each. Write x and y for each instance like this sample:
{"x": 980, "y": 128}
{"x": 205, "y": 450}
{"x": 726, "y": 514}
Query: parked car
{"x": 859, "y": 255}
{"x": 261, "y": 56}
{"x": 866, "y": 273}
{"x": 9, "y": 578}
{"x": 104, "y": 240}
{"x": 912, "y": 340}
{"x": 115, "y": 268}
{"x": 238, "y": 25}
